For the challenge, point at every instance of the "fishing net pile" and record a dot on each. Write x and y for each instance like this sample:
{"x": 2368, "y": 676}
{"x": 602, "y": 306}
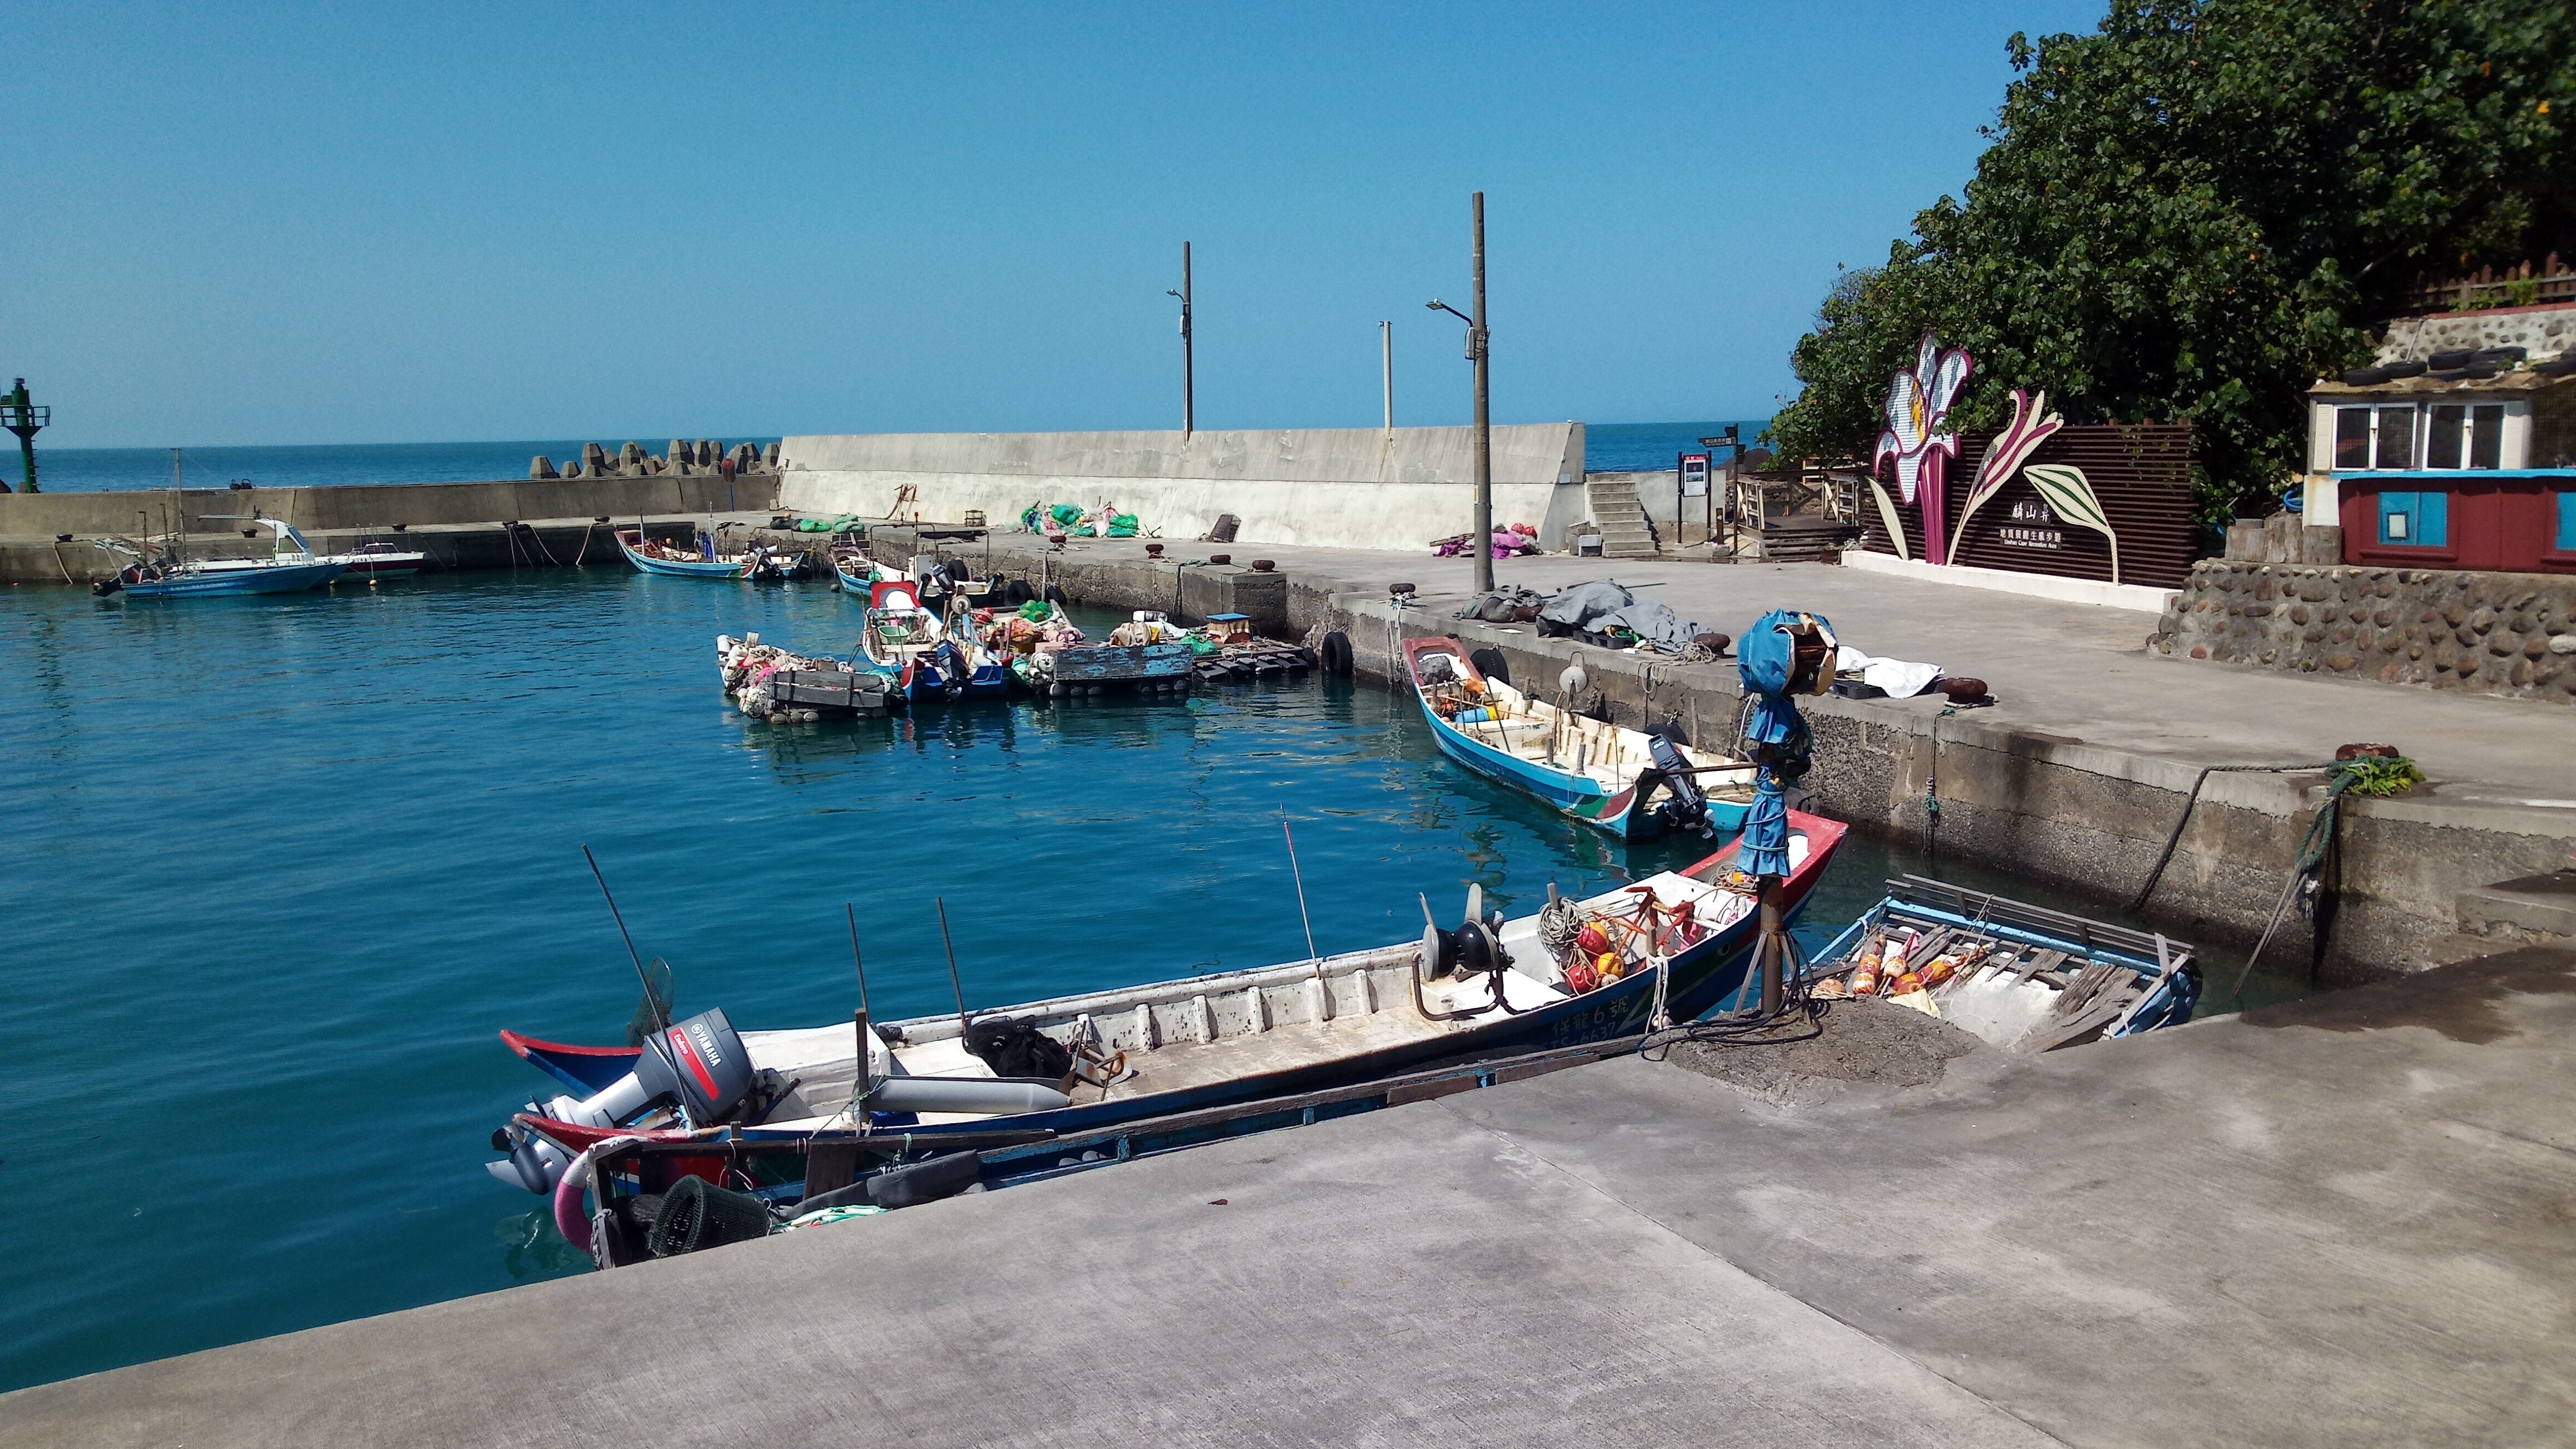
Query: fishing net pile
{"x": 1072, "y": 520}
{"x": 747, "y": 665}
{"x": 1030, "y": 635}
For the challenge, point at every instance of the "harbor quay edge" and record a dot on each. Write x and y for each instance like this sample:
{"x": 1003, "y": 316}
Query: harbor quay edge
{"x": 2086, "y": 818}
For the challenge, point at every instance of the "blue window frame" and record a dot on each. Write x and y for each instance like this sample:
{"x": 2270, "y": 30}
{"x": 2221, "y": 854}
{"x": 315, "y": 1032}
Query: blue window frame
{"x": 2567, "y": 521}
{"x": 2418, "y": 520}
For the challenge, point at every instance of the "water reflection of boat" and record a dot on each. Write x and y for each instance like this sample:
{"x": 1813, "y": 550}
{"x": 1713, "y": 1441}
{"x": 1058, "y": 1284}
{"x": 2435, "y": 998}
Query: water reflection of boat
{"x": 1623, "y": 781}
{"x": 798, "y": 1115}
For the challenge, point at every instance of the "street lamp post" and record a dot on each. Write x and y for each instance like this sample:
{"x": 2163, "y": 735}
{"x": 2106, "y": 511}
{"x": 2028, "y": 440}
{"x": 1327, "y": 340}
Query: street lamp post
{"x": 1189, "y": 406}
{"x": 1477, "y": 348}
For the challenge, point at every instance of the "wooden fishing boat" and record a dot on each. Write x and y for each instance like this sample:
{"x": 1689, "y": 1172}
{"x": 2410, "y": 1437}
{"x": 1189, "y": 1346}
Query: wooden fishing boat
{"x": 706, "y": 561}
{"x": 856, "y": 571}
{"x": 1682, "y": 943}
{"x": 293, "y": 568}
{"x": 912, "y": 645}
{"x": 2020, "y": 976}
{"x": 1623, "y": 781}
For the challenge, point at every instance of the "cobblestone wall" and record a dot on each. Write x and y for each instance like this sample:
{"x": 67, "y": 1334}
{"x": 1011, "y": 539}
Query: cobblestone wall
{"x": 2497, "y": 633}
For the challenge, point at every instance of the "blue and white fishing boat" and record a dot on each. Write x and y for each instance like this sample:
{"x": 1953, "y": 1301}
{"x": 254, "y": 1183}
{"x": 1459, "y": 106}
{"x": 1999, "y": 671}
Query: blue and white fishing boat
{"x": 2020, "y": 976}
{"x": 1678, "y": 943}
{"x": 293, "y": 568}
{"x": 1623, "y": 781}
{"x": 856, "y": 571}
{"x": 707, "y": 560}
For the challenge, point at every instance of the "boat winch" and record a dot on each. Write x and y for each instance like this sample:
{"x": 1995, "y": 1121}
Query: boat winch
{"x": 1473, "y": 949}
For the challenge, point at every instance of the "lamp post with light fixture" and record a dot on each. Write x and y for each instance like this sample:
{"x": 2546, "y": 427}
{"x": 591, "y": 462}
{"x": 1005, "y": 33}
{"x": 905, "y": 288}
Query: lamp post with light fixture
{"x": 1189, "y": 407}
{"x": 1477, "y": 339}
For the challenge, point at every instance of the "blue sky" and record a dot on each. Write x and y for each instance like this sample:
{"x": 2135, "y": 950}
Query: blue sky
{"x": 271, "y": 224}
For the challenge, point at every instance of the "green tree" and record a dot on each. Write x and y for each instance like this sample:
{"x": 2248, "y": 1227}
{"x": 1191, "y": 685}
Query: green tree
{"x": 2198, "y": 210}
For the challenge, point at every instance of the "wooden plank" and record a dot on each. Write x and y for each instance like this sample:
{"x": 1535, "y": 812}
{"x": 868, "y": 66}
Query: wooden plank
{"x": 1526, "y": 1070}
{"x": 1403, "y": 1092}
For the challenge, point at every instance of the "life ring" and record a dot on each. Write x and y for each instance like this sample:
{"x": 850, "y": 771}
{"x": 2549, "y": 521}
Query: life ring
{"x": 569, "y": 1190}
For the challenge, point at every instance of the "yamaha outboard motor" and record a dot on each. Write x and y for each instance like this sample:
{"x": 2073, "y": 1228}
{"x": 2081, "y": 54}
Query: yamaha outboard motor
{"x": 1688, "y": 807}
{"x": 697, "y": 1067}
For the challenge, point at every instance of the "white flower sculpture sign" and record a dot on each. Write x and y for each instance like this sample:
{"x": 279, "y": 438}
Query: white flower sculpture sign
{"x": 1919, "y": 439}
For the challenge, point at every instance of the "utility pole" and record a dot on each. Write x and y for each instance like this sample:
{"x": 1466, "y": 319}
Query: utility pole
{"x": 1386, "y": 372}
{"x": 1477, "y": 349}
{"x": 1189, "y": 363}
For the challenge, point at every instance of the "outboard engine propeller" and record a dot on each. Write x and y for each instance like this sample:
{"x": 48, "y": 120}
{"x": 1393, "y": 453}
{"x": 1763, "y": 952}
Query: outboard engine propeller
{"x": 697, "y": 1067}
{"x": 534, "y": 1163}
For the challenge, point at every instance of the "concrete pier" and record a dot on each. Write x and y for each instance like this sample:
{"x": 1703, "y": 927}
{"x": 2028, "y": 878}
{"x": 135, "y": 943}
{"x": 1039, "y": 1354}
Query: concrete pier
{"x": 463, "y": 525}
{"x": 2334, "y": 1222}
{"x": 2075, "y": 776}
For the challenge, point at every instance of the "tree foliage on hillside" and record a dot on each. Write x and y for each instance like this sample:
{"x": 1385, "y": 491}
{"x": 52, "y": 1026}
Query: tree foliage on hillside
{"x": 2196, "y": 211}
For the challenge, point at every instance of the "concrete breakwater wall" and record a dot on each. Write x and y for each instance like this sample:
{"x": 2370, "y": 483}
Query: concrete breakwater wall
{"x": 133, "y": 513}
{"x": 462, "y": 525}
{"x": 2084, "y": 818}
{"x": 1338, "y": 487}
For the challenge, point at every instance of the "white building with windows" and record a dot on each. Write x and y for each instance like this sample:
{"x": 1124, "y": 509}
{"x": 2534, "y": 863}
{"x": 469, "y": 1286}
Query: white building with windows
{"x": 2461, "y": 460}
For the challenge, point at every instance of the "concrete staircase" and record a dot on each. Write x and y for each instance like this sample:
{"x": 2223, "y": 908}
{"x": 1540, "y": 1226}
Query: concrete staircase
{"x": 2531, "y": 910}
{"x": 1624, "y": 531}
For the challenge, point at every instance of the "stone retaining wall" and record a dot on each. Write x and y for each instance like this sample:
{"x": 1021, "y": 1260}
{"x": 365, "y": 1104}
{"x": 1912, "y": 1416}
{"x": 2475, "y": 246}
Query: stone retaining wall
{"x": 2496, "y": 633}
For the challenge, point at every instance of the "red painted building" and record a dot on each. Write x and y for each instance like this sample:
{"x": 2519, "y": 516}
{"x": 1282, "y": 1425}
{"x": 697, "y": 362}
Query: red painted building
{"x": 2459, "y": 472}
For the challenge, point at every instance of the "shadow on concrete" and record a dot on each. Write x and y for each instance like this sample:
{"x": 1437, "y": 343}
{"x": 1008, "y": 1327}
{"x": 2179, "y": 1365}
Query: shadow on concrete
{"x": 2459, "y": 1001}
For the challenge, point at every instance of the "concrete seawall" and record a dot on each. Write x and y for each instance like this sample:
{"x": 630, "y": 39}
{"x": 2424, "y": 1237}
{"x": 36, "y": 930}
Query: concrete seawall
{"x": 2088, "y": 813}
{"x": 459, "y": 524}
{"x": 1331, "y": 487}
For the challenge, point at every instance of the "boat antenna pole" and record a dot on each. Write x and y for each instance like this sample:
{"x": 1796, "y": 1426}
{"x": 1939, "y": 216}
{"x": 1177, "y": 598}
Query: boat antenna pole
{"x": 1300, "y": 877}
{"x": 953, "y": 983}
{"x": 641, "y": 977}
{"x": 864, "y": 1084}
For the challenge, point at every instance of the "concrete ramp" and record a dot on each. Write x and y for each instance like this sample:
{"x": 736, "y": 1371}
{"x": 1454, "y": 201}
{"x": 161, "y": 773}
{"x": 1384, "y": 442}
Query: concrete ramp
{"x": 1332, "y": 487}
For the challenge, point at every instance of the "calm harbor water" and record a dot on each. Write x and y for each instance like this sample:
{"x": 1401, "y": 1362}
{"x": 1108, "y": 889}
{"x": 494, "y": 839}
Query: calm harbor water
{"x": 278, "y": 868}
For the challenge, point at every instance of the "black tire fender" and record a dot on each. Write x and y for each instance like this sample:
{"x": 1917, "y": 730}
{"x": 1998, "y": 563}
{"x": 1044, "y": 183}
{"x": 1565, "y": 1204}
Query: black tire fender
{"x": 1335, "y": 654}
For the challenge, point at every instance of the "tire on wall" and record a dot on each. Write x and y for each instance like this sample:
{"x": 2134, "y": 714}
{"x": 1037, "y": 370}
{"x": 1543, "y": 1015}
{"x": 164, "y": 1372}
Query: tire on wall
{"x": 1335, "y": 655}
{"x": 1489, "y": 663}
